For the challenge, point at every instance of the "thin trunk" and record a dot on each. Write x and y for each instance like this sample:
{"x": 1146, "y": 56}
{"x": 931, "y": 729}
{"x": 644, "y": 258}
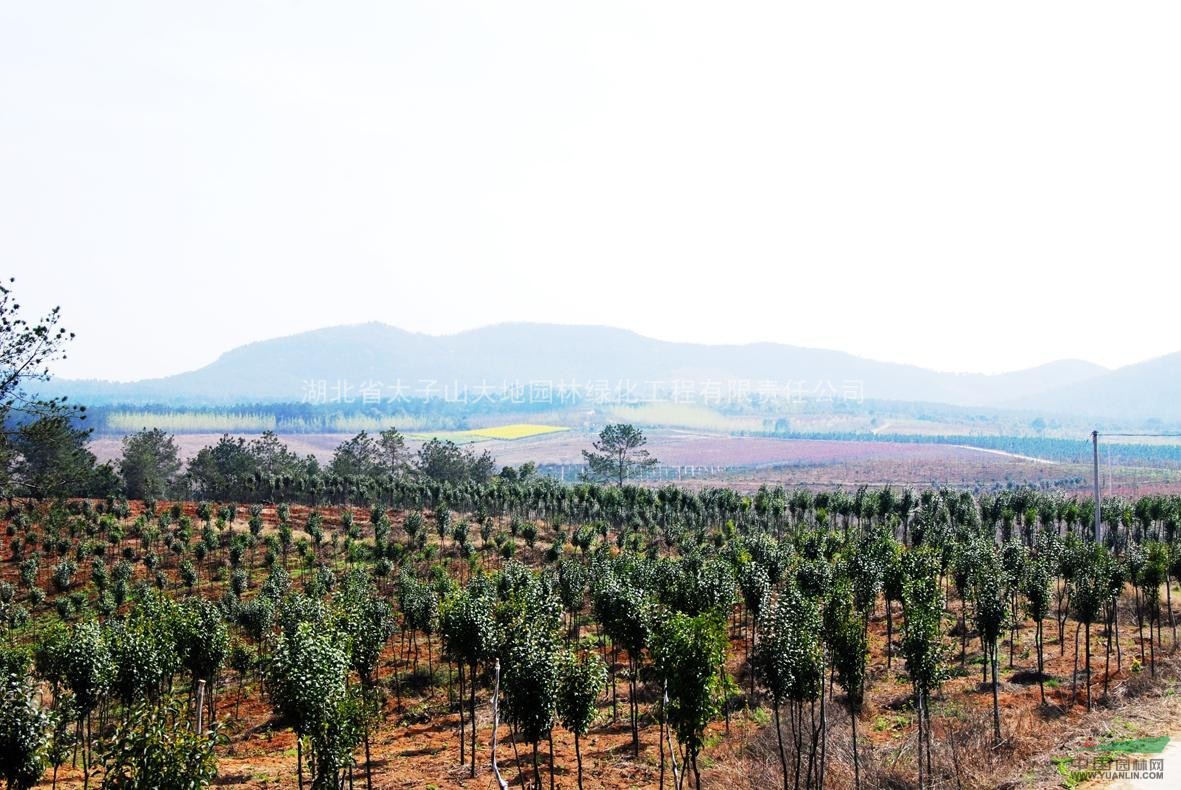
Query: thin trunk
{"x": 368, "y": 761}
{"x": 996, "y": 703}
{"x": 1074, "y": 674}
{"x": 782, "y": 753}
{"x": 462, "y": 731}
{"x": 1119, "y": 651}
{"x": 496, "y": 729}
{"x": 551, "y": 759}
{"x": 919, "y": 704}
{"x": 1107, "y": 654}
{"x": 1169, "y": 603}
{"x": 578, "y": 757}
{"x": 856, "y": 761}
{"x": 1040, "y": 663}
{"x": 1088, "y": 672}
{"x": 86, "y": 756}
{"x": 672, "y": 755}
{"x": 472, "y": 717}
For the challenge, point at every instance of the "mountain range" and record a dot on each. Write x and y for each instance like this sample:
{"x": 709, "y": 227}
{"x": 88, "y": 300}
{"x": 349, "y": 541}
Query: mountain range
{"x": 282, "y": 369}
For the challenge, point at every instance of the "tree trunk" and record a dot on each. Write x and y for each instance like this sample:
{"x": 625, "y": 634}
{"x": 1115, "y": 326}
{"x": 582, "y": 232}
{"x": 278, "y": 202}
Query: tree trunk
{"x": 1088, "y": 672}
{"x": 551, "y": 759}
{"x": 782, "y": 753}
{"x": 299, "y": 759}
{"x": 1040, "y": 663}
{"x": 472, "y": 718}
{"x": 578, "y": 757}
{"x": 462, "y": 731}
{"x": 996, "y": 704}
{"x": 856, "y": 760}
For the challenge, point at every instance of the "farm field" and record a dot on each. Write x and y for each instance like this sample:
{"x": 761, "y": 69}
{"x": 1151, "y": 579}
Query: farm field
{"x": 300, "y": 560}
{"x": 697, "y": 459}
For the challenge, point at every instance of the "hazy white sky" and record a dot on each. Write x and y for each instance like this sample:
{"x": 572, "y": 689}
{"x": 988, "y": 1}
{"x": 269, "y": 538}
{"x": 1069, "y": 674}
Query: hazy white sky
{"x": 954, "y": 185}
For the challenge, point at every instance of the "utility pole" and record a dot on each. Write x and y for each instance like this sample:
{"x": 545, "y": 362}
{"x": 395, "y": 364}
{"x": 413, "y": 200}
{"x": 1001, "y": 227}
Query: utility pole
{"x": 1098, "y": 502}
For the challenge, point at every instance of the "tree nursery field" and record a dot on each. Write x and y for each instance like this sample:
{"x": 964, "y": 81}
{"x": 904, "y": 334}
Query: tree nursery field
{"x": 595, "y": 636}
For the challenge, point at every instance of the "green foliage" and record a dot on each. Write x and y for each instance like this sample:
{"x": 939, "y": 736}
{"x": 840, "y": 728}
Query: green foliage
{"x": 86, "y": 666}
{"x": 572, "y": 581}
{"x": 1091, "y": 582}
{"x": 988, "y": 576}
{"x": 138, "y": 655}
{"x": 581, "y": 681}
{"x": 445, "y": 462}
{"x": 368, "y": 621}
{"x": 529, "y": 678}
{"x": 922, "y": 606}
{"x": 469, "y": 628}
{"x": 150, "y": 464}
{"x": 158, "y": 750}
{"x": 1035, "y": 586}
{"x": 845, "y": 633}
{"x": 788, "y": 657}
{"x": 202, "y": 640}
{"x": 688, "y": 653}
{"x": 619, "y": 454}
{"x": 22, "y": 734}
{"x": 306, "y": 675}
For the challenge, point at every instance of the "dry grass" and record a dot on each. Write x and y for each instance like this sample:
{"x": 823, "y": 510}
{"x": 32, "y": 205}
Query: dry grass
{"x": 1036, "y": 739}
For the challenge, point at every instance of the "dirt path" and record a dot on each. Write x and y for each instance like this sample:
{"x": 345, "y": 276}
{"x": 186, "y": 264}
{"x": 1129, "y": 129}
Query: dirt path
{"x": 1007, "y": 454}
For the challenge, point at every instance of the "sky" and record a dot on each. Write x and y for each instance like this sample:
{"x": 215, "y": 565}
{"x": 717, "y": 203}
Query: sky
{"x": 966, "y": 187}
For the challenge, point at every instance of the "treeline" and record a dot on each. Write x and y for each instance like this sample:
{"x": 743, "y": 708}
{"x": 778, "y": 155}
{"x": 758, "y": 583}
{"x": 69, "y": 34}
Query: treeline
{"x": 1048, "y": 448}
{"x": 50, "y": 458}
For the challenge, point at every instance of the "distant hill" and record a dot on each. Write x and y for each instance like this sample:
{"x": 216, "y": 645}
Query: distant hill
{"x": 277, "y": 370}
{"x": 1145, "y": 391}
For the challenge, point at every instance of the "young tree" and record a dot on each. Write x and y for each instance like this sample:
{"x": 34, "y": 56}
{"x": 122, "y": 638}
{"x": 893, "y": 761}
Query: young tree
{"x": 988, "y": 596}
{"x": 150, "y": 464}
{"x": 470, "y": 639}
{"x": 368, "y": 621}
{"x": 1153, "y": 574}
{"x": 88, "y": 670}
{"x": 755, "y": 585}
{"x": 688, "y": 652}
{"x": 203, "y": 642}
{"x": 922, "y": 643}
{"x": 137, "y": 654}
{"x": 306, "y": 677}
{"x": 156, "y": 749}
{"x": 580, "y": 683}
{"x": 572, "y": 580}
{"x": 1090, "y": 589}
{"x": 849, "y": 648}
{"x": 530, "y": 678}
{"x": 628, "y": 622}
{"x": 1036, "y": 588}
{"x": 790, "y": 662}
{"x": 23, "y": 727}
{"x": 619, "y": 454}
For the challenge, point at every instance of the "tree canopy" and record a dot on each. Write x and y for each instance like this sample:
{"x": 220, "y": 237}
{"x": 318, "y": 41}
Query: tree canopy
{"x": 619, "y": 454}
